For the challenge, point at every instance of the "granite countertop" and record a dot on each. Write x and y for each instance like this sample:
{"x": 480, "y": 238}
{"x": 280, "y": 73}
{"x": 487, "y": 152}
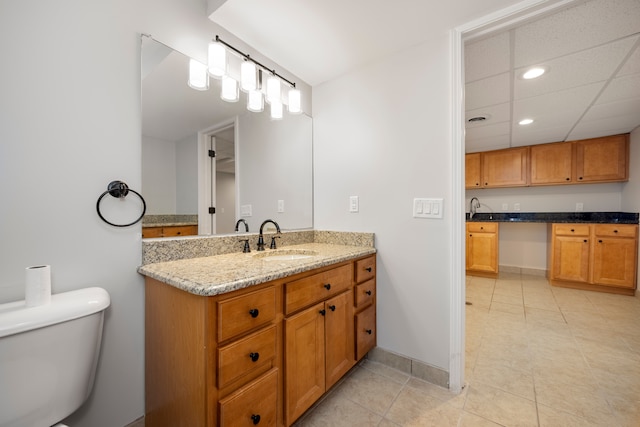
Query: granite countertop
{"x": 219, "y": 274}
{"x": 558, "y": 217}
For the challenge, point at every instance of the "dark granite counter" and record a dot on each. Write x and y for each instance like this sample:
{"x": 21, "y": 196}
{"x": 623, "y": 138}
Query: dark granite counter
{"x": 559, "y": 217}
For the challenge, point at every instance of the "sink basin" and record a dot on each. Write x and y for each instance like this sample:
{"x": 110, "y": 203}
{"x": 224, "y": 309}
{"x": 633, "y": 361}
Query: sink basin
{"x": 286, "y": 255}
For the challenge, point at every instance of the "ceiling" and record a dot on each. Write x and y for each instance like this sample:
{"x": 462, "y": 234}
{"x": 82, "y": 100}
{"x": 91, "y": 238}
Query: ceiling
{"x": 591, "y": 89}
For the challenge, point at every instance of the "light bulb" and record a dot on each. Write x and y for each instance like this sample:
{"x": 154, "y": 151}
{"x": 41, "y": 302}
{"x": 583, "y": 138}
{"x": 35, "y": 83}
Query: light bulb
{"x": 295, "y": 106}
{"x": 229, "y": 91}
{"x": 533, "y": 73}
{"x": 198, "y": 78}
{"x": 276, "y": 110}
{"x": 255, "y": 101}
{"x": 248, "y": 76}
{"x": 524, "y": 122}
{"x": 217, "y": 60}
{"x": 273, "y": 89}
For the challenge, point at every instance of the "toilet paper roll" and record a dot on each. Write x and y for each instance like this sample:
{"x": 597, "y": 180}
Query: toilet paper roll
{"x": 38, "y": 285}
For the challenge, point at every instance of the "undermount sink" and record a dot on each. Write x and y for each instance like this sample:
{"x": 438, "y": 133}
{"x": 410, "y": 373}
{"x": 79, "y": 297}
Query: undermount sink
{"x": 286, "y": 255}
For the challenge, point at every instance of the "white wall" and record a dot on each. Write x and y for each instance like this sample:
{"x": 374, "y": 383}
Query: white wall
{"x": 226, "y": 203}
{"x": 386, "y": 145}
{"x": 159, "y": 175}
{"x": 187, "y": 175}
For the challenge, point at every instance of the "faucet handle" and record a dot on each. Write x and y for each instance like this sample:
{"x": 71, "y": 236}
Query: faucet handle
{"x": 246, "y": 247}
{"x": 273, "y": 242}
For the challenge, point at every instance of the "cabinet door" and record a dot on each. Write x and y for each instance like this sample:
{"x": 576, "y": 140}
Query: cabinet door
{"x": 254, "y": 404}
{"x": 551, "y": 163}
{"x": 614, "y": 261}
{"x": 570, "y": 258}
{"x": 505, "y": 168}
{"x": 339, "y": 340}
{"x": 482, "y": 252}
{"x": 365, "y": 331}
{"x": 602, "y": 159}
{"x": 472, "y": 171}
{"x": 304, "y": 360}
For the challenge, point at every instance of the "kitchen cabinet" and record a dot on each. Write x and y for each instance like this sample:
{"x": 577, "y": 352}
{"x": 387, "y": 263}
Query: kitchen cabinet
{"x": 600, "y": 257}
{"x": 472, "y": 171}
{"x": 602, "y": 159}
{"x": 551, "y": 164}
{"x": 169, "y": 231}
{"x": 482, "y": 249}
{"x": 505, "y": 168}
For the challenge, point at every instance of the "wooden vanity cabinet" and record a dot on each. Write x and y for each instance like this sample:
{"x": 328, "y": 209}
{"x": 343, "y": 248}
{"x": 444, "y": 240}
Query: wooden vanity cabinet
{"x": 599, "y": 257}
{"x": 482, "y": 249}
{"x": 365, "y": 306}
{"x": 169, "y": 231}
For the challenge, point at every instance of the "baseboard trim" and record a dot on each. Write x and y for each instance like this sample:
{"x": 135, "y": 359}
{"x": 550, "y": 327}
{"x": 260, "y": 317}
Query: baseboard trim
{"x": 413, "y": 367}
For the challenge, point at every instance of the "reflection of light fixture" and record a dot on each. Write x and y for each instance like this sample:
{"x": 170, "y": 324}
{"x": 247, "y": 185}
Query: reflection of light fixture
{"x": 251, "y": 81}
{"x": 524, "y": 122}
{"x": 198, "y": 77}
{"x": 229, "y": 89}
{"x": 217, "y": 60}
{"x": 534, "y": 72}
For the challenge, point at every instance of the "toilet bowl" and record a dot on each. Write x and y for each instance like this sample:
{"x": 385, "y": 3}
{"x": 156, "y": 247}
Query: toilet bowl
{"x": 48, "y": 356}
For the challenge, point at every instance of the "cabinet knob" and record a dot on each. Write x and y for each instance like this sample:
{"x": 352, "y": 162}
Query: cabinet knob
{"x": 254, "y": 312}
{"x": 585, "y": 240}
{"x": 615, "y": 231}
{"x": 323, "y": 312}
{"x": 369, "y": 269}
{"x": 568, "y": 179}
{"x": 579, "y": 177}
{"x": 599, "y": 241}
{"x": 369, "y": 331}
{"x": 481, "y": 228}
{"x": 572, "y": 230}
{"x": 254, "y": 356}
{"x": 470, "y": 235}
{"x": 327, "y": 286}
{"x": 332, "y": 307}
{"x": 486, "y": 183}
{"x": 255, "y": 418}
{"x": 367, "y": 292}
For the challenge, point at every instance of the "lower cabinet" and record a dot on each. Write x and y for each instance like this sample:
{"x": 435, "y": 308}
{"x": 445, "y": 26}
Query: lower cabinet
{"x": 600, "y": 257}
{"x": 169, "y": 231}
{"x": 256, "y": 356}
{"x": 482, "y": 249}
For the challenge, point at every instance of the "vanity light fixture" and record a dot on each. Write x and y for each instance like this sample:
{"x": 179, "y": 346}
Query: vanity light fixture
{"x": 295, "y": 105}
{"x": 198, "y": 77}
{"x": 273, "y": 89}
{"x": 248, "y": 76}
{"x": 229, "y": 90}
{"x": 217, "y": 58}
{"x": 276, "y": 110}
{"x": 534, "y": 73}
{"x": 255, "y": 101}
{"x": 525, "y": 122}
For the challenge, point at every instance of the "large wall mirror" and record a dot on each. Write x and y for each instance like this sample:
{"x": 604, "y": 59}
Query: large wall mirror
{"x": 262, "y": 169}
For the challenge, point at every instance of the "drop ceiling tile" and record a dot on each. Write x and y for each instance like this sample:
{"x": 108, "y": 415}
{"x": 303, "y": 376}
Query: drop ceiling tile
{"x": 486, "y": 144}
{"x": 586, "y": 25}
{"x": 621, "y": 88}
{"x": 632, "y": 65}
{"x": 620, "y": 108}
{"x": 488, "y": 131}
{"x": 524, "y": 135}
{"x": 486, "y": 92}
{"x": 494, "y": 114}
{"x": 605, "y": 127}
{"x": 588, "y": 66}
{"x": 487, "y": 57}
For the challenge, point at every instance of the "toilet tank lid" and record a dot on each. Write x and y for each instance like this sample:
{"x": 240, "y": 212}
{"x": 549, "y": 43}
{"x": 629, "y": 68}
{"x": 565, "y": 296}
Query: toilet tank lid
{"x": 16, "y": 317}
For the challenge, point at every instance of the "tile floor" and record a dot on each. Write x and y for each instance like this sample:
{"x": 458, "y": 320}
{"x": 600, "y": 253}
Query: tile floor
{"x": 536, "y": 355}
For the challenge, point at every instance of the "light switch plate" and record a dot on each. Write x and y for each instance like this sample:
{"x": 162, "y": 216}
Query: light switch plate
{"x": 245, "y": 210}
{"x": 280, "y": 206}
{"x": 354, "y": 204}
{"x": 427, "y": 208}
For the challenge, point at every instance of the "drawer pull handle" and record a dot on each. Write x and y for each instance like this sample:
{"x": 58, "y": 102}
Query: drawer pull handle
{"x": 369, "y": 269}
{"x": 369, "y": 331}
{"x": 255, "y": 418}
{"x": 254, "y": 356}
{"x": 332, "y": 307}
{"x": 367, "y": 292}
{"x": 327, "y": 286}
{"x": 323, "y": 312}
{"x": 254, "y": 312}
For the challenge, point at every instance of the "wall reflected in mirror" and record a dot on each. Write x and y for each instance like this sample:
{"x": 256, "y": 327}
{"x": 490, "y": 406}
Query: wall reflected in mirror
{"x": 262, "y": 169}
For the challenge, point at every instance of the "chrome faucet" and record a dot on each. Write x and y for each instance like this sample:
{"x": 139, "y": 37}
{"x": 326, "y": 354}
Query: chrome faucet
{"x": 473, "y": 207}
{"x": 246, "y": 226}
{"x": 273, "y": 239}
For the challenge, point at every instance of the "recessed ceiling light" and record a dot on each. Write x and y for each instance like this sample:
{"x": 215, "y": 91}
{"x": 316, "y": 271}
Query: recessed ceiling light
{"x": 525, "y": 122}
{"x": 533, "y": 73}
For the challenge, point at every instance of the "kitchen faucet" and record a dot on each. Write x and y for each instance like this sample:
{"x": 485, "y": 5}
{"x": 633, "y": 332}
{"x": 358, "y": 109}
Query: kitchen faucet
{"x": 273, "y": 238}
{"x": 473, "y": 206}
{"x": 246, "y": 226}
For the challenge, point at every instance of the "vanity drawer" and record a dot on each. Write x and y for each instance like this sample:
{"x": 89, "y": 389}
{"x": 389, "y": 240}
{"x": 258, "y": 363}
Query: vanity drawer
{"x": 365, "y": 293}
{"x": 616, "y": 230}
{"x": 365, "y": 331}
{"x": 304, "y": 292}
{"x": 365, "y": 269}
{"x": 246, "y": 356}
{"x": 571, "y": 229}
{"x": 243, "y": 313}
{"x": 253, "y": 404}
{"x": 482, "y": 227}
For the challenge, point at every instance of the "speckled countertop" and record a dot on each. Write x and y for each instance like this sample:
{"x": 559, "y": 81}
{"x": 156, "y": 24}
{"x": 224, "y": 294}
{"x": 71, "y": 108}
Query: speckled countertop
{"x": 215, "y": 275}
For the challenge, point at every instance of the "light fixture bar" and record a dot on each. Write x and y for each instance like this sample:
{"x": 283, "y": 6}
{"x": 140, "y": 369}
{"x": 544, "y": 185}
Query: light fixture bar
{"x": 248, "y": 58}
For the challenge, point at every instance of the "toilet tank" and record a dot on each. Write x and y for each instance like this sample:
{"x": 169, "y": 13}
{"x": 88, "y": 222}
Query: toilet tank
{"x": 48, "y": 356}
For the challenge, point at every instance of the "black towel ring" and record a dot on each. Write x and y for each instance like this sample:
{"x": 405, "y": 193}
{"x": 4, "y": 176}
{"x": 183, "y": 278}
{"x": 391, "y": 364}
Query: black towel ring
{"x": 120, "y": 190}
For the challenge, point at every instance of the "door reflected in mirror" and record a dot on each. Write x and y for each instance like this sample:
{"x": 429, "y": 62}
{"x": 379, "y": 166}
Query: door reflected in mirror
{"x": 262, "y": 168}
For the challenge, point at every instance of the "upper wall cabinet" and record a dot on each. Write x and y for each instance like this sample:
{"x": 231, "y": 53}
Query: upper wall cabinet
{"x": 602, "y": 159}
{"x": 593, "y": 160}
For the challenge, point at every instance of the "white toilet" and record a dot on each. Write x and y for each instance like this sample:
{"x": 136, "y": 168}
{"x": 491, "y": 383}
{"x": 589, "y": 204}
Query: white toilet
{"x": 48, "y": 356}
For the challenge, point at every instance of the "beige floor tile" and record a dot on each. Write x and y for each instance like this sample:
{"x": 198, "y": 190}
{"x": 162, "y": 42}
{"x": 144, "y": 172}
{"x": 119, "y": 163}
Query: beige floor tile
{"x": 509, "y": 299}
{"x": 386, "y": 371}
{"x": 337, "y": 411}
{"x": 540, "y": 314}
{"x": 416, "y": 408}
{"x": 500, "y": 407}
{"x": 443, "y": 394}
{"x": 507, "y": 379}
{"x": 550, "y": 417}
{"x": 373, "y": 391}
{"x": 627, "y": 412}
{"x": 471, "y": 420}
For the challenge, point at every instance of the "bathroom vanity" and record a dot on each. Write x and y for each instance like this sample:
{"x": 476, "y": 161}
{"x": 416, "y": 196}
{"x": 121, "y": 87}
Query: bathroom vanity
{"x": 254, "y": 339}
